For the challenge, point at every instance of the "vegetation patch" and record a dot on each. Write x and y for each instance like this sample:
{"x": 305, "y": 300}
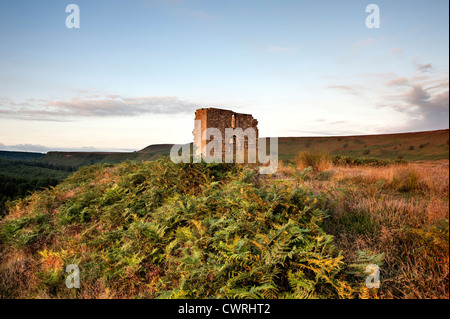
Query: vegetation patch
{"x": 161, "y": 230}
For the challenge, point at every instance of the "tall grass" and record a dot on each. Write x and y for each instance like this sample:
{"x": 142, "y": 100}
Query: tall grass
{"x": 318, "y": 159}
{"x": 422, "y": 178}
{"x": 401, "y": 211}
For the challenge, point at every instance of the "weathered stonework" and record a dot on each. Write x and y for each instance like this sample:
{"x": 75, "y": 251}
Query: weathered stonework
{"x": 221, "y": 120}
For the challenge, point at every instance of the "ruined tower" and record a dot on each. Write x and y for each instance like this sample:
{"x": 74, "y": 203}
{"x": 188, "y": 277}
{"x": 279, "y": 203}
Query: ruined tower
{"x": 221, "y": 120}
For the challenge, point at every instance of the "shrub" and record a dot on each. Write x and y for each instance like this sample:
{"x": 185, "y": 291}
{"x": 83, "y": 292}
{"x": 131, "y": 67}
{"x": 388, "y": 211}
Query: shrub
{"x": 407, "y": 180}
{"x": 358, "y": 161}
{"x": 400, "y": 161}
{"x": 319, "y": 160}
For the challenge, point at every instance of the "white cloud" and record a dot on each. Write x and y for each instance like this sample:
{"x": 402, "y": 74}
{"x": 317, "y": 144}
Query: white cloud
{"x": 426, "y": 107}
{"x": 106, "y": 106}
{"x": 398, "y": 81}
{"x": 423, "y": 100}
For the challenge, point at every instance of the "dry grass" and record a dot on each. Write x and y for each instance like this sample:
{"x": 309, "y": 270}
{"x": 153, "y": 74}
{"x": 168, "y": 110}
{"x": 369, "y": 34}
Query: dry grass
{"x": 399, "y": 210}
{"x": 318, "y": 159}
{"x": 427, "y": 178}
{"x": 18, "y": 276}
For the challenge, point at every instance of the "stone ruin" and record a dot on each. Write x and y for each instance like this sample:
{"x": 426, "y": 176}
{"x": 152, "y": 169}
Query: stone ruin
{"x": 221, "y": 120}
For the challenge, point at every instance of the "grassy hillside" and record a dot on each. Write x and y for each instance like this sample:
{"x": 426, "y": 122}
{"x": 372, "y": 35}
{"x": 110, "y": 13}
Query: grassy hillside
{"x": 158, "y": 229}
{"x": 24, "y": 172}
{"x": 161, "y": 230}
{"x": 155, "y": 149}
{"x": 432, "y": 145}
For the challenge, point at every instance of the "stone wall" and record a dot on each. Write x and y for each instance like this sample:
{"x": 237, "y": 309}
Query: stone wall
{"x": 222, "y": 119}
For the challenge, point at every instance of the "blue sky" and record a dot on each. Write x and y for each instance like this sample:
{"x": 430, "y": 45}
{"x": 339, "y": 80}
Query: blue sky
{"x": 135, "y": 71}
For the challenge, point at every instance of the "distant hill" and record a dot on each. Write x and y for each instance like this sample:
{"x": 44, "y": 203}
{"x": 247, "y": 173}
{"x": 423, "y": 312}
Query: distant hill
{"x": 418, "y": 146}
{"x": 78, "y": 159}
{"x": 157, "y": 148}
{"x": 20, "y": 156}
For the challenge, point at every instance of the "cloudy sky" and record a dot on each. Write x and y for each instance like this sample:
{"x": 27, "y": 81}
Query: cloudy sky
{"x": 135, "y": 71}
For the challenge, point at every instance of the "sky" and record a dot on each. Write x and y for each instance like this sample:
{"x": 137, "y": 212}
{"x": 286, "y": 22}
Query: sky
{"x": 134, "y": 72}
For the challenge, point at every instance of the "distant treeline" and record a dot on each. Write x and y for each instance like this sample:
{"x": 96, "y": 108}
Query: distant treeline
{"x": 13, "y": 188}
{"x": 20, "y": 156}
{"x": 59, "y": 167}
{"x": 33, "y": 159}
{"x": 20, "y": 178}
